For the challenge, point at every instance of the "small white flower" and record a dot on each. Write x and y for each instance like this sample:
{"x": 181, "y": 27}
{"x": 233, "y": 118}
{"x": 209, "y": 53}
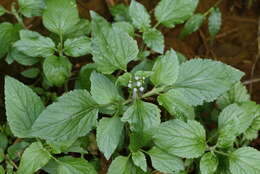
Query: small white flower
{"x": 135, "y": 89}
{"x": 129, "y": 85}
{"x": 137, "y": 78}
{"x": 143, "y": 78}
{"x": 138, "y": 84}
{"x": 141, "y": 89}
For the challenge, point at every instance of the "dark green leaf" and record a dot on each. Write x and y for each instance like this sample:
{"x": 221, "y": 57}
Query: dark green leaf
{"x": 154, "y": 39}
{"x": 2, "y": 10}
{"x": 30, "y": 8}
{"x": 3, "y": 141}
{"x": 15, "y": 150}
{"x": 31, "y": 73}
{"x": 120, "y": 12}
{"x": 77, "y": 47}
{"x": 83, "y": 81}
{"x": 208, "y": 163}
{"x": 215, "y": 22}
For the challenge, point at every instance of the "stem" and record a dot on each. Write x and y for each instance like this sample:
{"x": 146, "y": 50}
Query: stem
{"x": 221, "y": 153}
{"x": 61, "y": 45}
{"x": 210, "y": 9}
{"x": 156, "y": 25}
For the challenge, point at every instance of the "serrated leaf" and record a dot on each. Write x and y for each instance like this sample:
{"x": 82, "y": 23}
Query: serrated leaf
{"x": 208, "y": 163}
{"x": 244, "y": 160}
{"x": 139, "y": 160}
{"x": 207, "y": 81}
{"x": 109, "y": 131}
{"x": 139, "y": 15}
{"x": 33, "y": 159}
{"x": 21, "y": 114}
{"x": 172, "y": 12}
{"x": 60, "y": 16}
{"x": 35, "y": 45}
{"x": 125, "y": 26}
{"x": 77, "y": 47}
{"x": 186, "y": 140}
{"x": 31, "y": 73}
{"x": 2, "y": 10}
{"x": 192, "y": 25}
{"x": 176, "y": 104}
{"x": 164, "y": 161}
{"x": 214, "y": 22}
{"x": 154, "y": 39}
{"x": 72, "y": 116}
{"x": 166, "y": 69}
{"x": 252, "y": 132}
{"x": 30, "y": 8}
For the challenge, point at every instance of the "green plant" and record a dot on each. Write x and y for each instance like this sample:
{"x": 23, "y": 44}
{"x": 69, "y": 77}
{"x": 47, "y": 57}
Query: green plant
{"x": 133, "y": 113}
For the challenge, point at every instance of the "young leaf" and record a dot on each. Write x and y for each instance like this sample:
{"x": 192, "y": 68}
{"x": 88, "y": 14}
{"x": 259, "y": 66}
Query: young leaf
{"x": 22, "y": 58}
{"x": 166, "y": 69}
{"x": 252, "y": 132}
{"x": 154, "y": 39}
{"x": 103, "y": 90}
{"x": 207, "y": 81}
{"x": 120, "y": 165}
{"x": 139, "y": 160}
{"x": 22, "y": 106}
{"x": 31, "y": 73}
{"x": 186, "y": 140}
{"x": 83, "y": 81}
{"x": 15, "y": 150}
{"x": 214, "y": 22}
{"x": 2, "y": 10}
{"x": 172, "y": 12}
{"x": 142, "y": 117}
{"x": 176, "y": 104}
{"x": 30, "y": 8}
{"x": 33, "y": 158}
{"x": 72, "y": 116}
{"x": 77, "y": 47}
{"x": 124, "y": 79}
{"x": 192, "y": 25}
{"x": 125, "y": 27}
{"x": 120, "y": 12}
{"x": 82, "y": 28}
{"x": 109, "y": 131}
{"x": 33, "y": 44}
{"x": 244, "y": 160}
{"x": 164, "y": 161}
{"x": 139, "y": 15}
{"x": 208, "y": 163}
{"x": 57, "y": 69}
{"x": 60, "y": 16}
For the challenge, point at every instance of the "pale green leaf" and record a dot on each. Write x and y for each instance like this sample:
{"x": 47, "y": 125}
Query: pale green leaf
{"x": 30, "y": 8}
{"x": 124, "y": 79}
{"x": 214, "y": 22}
{"x": 139, "y": 160}
{"x": 82, "y": 28}
{"x": 125, "y": 26}
{"x": 154, "y": 39}
{"x": 31, "y": 73}
{"x": 77, "y": 47}
{"x": 120, "y": 165}
{"x": 208, "y": 163}
{"x": 252, "y": 132}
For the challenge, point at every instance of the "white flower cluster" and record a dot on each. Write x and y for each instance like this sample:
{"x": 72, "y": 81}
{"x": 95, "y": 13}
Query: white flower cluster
{"x": 137, "y": 84}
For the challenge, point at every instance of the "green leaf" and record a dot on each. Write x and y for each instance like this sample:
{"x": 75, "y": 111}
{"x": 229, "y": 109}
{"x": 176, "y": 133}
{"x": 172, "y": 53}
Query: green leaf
{"x": 31, "y": 73}
{"x": 82, "y": 28}
{"x": 60, "y": 16}
{"x": 164, "y": 161}
{"x": 2, "y": 155}
{"x": 208, "y": 163}
{"x": 139, "y": 15}
{"x": 186, "y": 140}
{"x": 166, "y": 69}
{"x": 244, "y": 160}
{"x": 3, "y": 141}
{"x": 30, "y": 8}
{"x": 9, "y": 33}
{"x": 22, "y": 106}
{"x": 252, "y": 132}
{"x": 172, "y": 12}
{"x": 142, "y": 117}
{"x": 139, "y": 160}
{"x": 192, "y": 25}
{"x": 72, "y": 116}
{"x": 237, "y": 94}
{"x": 57, "y": 69}
{"x": 154, "y": 39}
{"x": 15, "y": 150}
{"x": 35, "y": 45}
{"x": 223, "y": 166}
{"x": 83, "y": 81}
{"x": 214, "y": 22}
{"x": 112, "y": 48}
{"x": 207, "y": 81}
{"x": 120, "y": 165}
{"x": 120, "y": 12}
{"x": 176, "y": 104}
{"x": 2, "y": 10}
{"x": 103, "y": 90}
{"x": 109, "y": 131}
{"x": 2, "y": 170}
{"x": 77, "y": 47}
{"x": 33, "y": 158}
{"x": 124, "y": 79}
{"x": 125, "y": 26}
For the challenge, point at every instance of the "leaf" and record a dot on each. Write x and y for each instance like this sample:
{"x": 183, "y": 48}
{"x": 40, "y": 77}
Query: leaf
{"x": 207, "y": 81}
{"x": 60, "y": 16}
{"x": 30, "y": 8}
{"x": 120, "y": 165}
{"x": 164, "y": 161}
{"x": 31, "y": 73}
{"x": 22, "y": 106}
{"x": 192, "y": 25}
{"x": 77, "y": 47}
{"x": 214, "y": 22}
{"x": 120, "y": 12}
{"x": 237, "y": 94}
{"x": 166, "y": 69}
{"x": 2, "y": 170}
{"x": 33, "y": 158}
{"x": 112, "y": 48}
{"x": 82, "y": 28}
{"x": 142, "y": 117}
{"x": 72, "y": 116}
{"x": 102, "y": 89}
{"x": 139, "y": 15}
{"x": 2, "y": 155}
{"x": 83, "y": 81}
{"x": 244, "y": 160}
{"x": 125, "y": 27}
{"x": 172, "y": 12}
{"x": 109, "y": 131}
{"x": 57, "y": 69}
{"x": 124, "y": 79}
{"x": 208, "y": 163}
{"x": 154, "y": 39}
{"x": 223, "y": 166}
{"x": 186, "y": 140}
{"x": 176, "y": 104}
{"x": 35, "y": 45}
{"x": 2, "y": 10}
{"x": 3, "y": 141}
{"x": 252, "y": 132}
{"x": 139, "y": 160}
{"x": 15, "y": 150}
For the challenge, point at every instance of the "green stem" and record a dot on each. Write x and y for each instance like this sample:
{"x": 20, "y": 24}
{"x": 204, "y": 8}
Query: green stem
{"x": 156, "y": 25}
{"x": 221, "y": 153}
{"x": 61, "y": 45}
